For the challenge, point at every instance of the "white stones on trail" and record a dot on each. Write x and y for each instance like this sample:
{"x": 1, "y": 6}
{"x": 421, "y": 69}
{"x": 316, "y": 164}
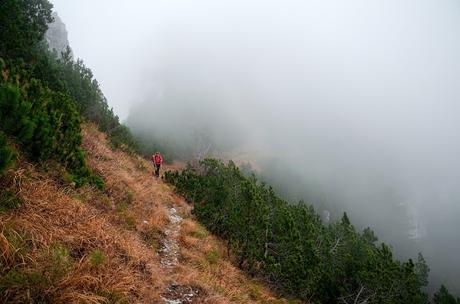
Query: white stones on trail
{"x": 181, "y": 294}
{"x": 169, "y": 258}
{"x": 169, "y": 251}
{"x": 174, "y": 217}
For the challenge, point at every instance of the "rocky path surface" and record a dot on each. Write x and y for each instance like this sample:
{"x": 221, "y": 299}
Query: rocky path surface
{"x": 169, "y": 253}
{"x": 158, "y": 252}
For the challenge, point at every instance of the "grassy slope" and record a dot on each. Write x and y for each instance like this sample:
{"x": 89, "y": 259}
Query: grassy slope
{"x": 90, "y": 246}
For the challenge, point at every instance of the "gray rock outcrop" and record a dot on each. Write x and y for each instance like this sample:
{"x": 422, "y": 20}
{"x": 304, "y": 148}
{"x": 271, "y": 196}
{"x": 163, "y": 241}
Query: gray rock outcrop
{"x": 56, "y": 36}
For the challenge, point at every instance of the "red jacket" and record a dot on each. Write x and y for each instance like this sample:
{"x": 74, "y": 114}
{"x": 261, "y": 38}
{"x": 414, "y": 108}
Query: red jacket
{"x": 157, "y": 159}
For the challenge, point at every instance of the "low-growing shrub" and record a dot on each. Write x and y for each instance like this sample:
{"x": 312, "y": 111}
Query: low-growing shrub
{"x": 46, "y": 124}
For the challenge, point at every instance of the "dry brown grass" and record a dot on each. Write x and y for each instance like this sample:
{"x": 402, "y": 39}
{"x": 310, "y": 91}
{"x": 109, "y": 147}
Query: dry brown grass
{"x": 206, "y": 261}
{"x": 50, "y": 216}
{"x": 58, "y": 232}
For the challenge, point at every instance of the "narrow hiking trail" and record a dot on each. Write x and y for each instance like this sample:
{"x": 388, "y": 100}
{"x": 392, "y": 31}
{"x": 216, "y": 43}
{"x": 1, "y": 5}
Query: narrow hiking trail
{"x": 161, "y": 218}
{"x": 194, "y": 265}
{"x": 136, "y": 241}
{"x": 169, "y": 259}
{"x": 169, "y": 253}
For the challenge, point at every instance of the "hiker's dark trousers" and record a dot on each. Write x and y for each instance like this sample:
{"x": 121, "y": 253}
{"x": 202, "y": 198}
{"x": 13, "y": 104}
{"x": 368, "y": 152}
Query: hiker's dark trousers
{"x": 157, "y": 169}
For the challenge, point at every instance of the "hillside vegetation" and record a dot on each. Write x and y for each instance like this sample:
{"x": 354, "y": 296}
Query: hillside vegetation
{"x": 83, "y": 221}
{"x": 83, "y": 245}
{"x": 289, "y": 246}
{"x": 45, "y": 97}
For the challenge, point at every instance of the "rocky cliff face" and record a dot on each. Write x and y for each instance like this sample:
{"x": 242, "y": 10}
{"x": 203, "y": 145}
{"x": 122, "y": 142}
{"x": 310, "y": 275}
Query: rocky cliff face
{"x": 56, "y": 36}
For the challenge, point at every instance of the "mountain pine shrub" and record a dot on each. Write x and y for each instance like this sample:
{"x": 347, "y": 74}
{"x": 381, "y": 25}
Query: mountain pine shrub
{"x": 290, "y": 247}
{"x": 46, "y": 124}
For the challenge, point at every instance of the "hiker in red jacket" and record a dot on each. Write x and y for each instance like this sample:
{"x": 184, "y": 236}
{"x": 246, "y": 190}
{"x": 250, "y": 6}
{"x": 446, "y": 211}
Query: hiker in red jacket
{"x": 157, "y": 160}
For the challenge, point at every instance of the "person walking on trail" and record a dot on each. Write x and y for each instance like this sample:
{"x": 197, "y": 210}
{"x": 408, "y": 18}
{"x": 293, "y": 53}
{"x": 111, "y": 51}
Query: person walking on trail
{"x": 157, "y": 160}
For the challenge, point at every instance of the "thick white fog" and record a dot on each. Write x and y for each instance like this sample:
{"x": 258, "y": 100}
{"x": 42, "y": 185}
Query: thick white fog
{"x": 356, "y": 102}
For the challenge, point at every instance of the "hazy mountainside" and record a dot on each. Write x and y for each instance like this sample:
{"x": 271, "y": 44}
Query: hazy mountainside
{"x": 369, "y": 200}
{"x": 163, "y": 126}
{"x": 331, "y": 96}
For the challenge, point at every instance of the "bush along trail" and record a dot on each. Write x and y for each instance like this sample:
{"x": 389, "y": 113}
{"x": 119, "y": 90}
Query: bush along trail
{"x": 135, "y": 241}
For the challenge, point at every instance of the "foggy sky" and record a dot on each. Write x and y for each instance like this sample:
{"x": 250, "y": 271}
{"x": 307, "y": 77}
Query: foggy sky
{"x": 358, "y": 97}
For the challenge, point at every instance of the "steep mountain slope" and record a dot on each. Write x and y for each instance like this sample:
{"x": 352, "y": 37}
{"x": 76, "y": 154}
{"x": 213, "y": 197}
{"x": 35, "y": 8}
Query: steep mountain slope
{"x": 133, "y": 242}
